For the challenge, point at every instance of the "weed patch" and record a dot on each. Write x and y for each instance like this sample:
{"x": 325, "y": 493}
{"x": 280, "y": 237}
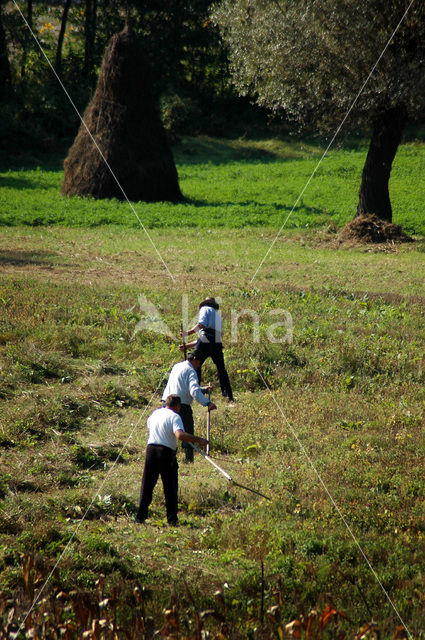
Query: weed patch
{"x": 96, "y": 458}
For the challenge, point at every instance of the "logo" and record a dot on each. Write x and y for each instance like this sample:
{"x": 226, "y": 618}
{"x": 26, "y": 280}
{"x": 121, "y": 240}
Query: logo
{"x": 274, "y": 325}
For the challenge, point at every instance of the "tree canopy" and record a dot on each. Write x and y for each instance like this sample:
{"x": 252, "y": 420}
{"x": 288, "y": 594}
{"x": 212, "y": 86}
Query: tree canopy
{"x": 311, "y": 58}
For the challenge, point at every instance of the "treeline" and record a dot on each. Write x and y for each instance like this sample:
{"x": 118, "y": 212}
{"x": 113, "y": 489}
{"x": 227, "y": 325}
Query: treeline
{"x": 188, "y": 60}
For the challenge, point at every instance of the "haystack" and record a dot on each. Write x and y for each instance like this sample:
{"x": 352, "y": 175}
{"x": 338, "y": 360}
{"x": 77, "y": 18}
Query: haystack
{"x": 124, "y": 120}
{"x": 369, "y": 228}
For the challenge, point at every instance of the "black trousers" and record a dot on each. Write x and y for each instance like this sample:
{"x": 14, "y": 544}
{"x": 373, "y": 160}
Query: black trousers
{"x": 186, "y": 415}
{"x": 215, "y": 352}
{"x": 159, "y": 461}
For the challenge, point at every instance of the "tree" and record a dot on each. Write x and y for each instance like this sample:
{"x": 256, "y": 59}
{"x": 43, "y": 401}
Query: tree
{"x": 58, "y": 59}
{"x": 5, "y": 79}
{"x": 310, "y": 59}
{"x": 184, "y": 46}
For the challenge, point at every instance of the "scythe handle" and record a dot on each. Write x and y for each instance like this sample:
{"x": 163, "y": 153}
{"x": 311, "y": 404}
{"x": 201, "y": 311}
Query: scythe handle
{"x": 184, "y": 343}
{"x": 208, "y": 424}
{"x": 214, "y": 464}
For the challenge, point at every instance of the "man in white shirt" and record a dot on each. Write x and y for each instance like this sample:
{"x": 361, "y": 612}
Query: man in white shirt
{"x": 183, "y": 381}
{"x": 209, "y": 345}
{"x": 165, "y": 428}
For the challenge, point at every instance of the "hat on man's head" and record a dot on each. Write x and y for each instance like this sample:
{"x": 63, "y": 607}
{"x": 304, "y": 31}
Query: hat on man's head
{"x": 194, "y": 354}
{"x": 210, "y": 302}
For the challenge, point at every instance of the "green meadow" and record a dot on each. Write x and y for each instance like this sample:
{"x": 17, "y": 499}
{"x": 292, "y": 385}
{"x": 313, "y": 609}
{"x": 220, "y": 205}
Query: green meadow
{"x": 329, "y": 424}
{"x": 232, "y": 184}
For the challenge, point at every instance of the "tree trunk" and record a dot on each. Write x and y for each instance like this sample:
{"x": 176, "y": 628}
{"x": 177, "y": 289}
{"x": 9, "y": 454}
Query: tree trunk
{"x": 5, "y": 77}
{"x": 58, "y": 61}
{"x": 29, "y": 12}
{"x": 90, "y": 33}
{"x": 374, "y": 195}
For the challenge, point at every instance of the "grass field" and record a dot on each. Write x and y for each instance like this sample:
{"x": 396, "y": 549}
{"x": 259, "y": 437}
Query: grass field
{"x": 231, "y": 184}
{"x": 75, "y": 391}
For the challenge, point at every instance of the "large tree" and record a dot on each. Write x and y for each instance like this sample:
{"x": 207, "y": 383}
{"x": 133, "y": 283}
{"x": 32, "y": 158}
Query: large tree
{"x": 311, "y": 58}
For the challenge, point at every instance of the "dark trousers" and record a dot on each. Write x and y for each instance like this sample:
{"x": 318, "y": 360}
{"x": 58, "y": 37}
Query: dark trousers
{"x": 215, "y": 352}
{"x": 159, "y": 461}
{"x": 186, "y": 415}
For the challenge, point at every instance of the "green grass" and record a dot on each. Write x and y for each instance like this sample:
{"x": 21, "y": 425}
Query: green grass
{"x": 74, "y": 387}
{"x": 230, "y": 184}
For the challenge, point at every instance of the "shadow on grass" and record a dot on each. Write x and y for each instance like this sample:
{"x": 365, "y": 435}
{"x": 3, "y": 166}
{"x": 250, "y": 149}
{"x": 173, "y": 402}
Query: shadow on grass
{"x": 204, "y": 150}
{"x": 21, "y": 258}
{"x": 12, "y": 182}
{"x": 261, "y": 205}
{"x": 52, "y": 161}
{"x": 267, "y": 149}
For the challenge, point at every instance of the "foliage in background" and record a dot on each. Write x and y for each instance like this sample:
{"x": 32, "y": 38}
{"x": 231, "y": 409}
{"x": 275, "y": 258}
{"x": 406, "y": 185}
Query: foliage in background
{"x": 188, "y": 60}
{"x": 311, "y": 58}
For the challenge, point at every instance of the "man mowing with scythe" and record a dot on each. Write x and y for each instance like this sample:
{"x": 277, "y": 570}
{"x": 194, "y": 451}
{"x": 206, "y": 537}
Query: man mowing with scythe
{"x": 183, "y": 382}
{"x": 209, "y": 344}
{"x": 165, "y": 429}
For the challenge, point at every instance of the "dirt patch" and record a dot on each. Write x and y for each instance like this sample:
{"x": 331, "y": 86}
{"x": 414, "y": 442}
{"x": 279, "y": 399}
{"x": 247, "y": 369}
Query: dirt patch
{"x": 371, "y": 229}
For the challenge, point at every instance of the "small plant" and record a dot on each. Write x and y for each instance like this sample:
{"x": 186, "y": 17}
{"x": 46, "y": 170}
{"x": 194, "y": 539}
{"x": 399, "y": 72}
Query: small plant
{"x": 95, "y": 457}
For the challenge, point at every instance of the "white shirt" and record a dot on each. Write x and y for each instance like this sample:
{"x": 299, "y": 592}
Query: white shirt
{"x": 183, "y": 381}
{"x": 162, "y": 425}
{"x": 210, "y": 319}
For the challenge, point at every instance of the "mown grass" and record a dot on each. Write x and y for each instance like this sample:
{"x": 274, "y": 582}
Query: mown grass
{"x": 75, "y": 390}
{"x": 232, "y": 184}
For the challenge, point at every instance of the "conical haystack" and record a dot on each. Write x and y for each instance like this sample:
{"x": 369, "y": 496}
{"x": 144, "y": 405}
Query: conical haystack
{"x": 125, "y": 123}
